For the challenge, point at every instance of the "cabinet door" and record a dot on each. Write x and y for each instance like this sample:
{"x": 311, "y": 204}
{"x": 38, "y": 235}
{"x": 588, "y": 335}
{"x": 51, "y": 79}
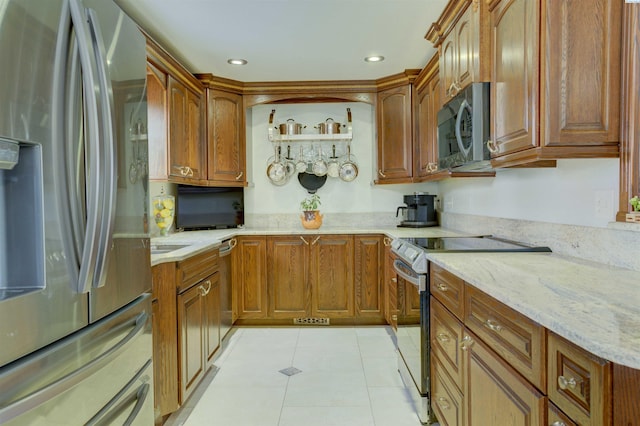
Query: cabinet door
{"x": 369, "y": 276}
{"x": 225, "y": 138}
{"x": 288, "y": 284}
{"x": 466, "y": 39}
{"x": 447, "y": 67}
{"x": 250, "y": 272}
{"x": 394, "y": 135}
{"x": 514, "y": 75}
{"x": 186, "y": 152}
{"x": 446, "y": 335}
{"x": 211, "y": 295}
{"x": 447, "y": 400}
{"x": 157, "y": 82}
{"x": 331, "y": 276}
{"x": 581, "y": 58}
{"x": 494, "y": 393}
{"x": 426, "y": 138}
{"x": 191, "y": 335}
{"x": 391, "y": 291}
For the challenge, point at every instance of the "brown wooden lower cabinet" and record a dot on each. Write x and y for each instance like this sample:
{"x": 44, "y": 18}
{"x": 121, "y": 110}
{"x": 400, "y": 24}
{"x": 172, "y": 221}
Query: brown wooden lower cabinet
{"x": 495, "y": 393}
{"x": 446, "y": 400}
{"x": 283, "y": 277}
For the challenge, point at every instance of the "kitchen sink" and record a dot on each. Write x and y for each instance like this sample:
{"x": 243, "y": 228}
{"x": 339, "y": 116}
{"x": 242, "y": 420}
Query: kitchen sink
{"x": 166, "y": 248}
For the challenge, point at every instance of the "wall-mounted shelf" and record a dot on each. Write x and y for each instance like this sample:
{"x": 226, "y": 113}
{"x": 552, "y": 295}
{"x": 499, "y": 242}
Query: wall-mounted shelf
{"x": 275, "y": 136}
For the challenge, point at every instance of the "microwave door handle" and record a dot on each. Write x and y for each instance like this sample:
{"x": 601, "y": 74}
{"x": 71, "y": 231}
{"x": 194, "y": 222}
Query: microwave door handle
{"x": 463, "y": 105}
{"x": 92, "y": 144}
{"x": 108, "y": 177}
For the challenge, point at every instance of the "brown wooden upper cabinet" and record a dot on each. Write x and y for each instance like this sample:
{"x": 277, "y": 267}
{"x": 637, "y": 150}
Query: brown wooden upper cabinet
{"x": 427, "y": 87}
{"x": 395, "y": 128}
{"x": 176, "y": 117}
{"x": 555, "y": 80}
{"x": 461, "y": 36}
{"x": 225, "y": 127}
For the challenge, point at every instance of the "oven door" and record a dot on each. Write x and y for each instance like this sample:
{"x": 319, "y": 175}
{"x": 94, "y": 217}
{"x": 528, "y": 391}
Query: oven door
{"x": 413, "y": 324}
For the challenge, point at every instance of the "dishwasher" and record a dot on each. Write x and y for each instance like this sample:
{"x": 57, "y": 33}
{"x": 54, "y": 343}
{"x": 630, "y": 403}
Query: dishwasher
{"x": 226, "y": 292}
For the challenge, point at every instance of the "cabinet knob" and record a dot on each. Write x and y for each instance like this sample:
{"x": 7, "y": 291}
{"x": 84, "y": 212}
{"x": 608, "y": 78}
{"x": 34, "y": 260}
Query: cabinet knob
{"x": 493, "y": 147}
{"x": 443, "y": 337}
{"x": 442, "y": 287}
{"x": 443, "y": 403}
{"x": 466, "y": 343}
{"x": 239, "y": 176}
{"x": 492, "y": 325}
{"x": 381, "y": 174}
{"x": 567, "y": 383}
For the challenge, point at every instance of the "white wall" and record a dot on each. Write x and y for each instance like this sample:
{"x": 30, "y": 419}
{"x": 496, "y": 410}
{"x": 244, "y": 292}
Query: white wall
{"x": 360, "y": 195}
{"x": 576, "y": 192}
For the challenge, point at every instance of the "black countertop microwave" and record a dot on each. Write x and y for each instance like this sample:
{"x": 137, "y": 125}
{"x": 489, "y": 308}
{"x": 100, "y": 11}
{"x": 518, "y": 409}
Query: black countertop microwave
{"x": 209, "y": 207}
{"x": 463, "y": 130}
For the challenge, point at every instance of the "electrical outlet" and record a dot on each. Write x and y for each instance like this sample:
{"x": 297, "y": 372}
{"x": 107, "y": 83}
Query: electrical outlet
{"x": 603, "y": 204}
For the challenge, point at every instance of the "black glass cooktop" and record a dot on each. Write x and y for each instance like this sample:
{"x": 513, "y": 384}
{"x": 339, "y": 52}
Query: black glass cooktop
{"x": 477, "y": 244}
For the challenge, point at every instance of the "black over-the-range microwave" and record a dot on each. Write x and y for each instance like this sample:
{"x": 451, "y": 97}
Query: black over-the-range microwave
{"x": 209, "y": 207}
{"x": 463, "y": 130}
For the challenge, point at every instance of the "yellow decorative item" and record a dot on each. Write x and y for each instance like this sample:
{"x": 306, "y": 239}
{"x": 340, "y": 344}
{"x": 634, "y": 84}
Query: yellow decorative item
{"x": 163, "y": 212}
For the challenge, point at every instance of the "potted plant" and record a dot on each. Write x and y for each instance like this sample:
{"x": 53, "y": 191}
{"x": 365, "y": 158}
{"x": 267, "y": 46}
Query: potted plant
{"x": 634, "y": 216}
{"x": 311, "y": 217}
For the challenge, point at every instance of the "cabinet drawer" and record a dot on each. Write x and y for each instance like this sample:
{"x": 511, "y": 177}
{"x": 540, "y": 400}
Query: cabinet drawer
{"x": 196, "y": 268}
{"x": 517, "y": 339}
{"x": 447, "y": 402}
{"x": 579, "y": 382}
{"x": 448, "y": 289}
{"x": 446, "y": 335}
{"x": 555, "y": 417}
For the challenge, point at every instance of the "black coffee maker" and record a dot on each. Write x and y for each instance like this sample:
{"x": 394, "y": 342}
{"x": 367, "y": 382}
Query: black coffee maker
{"x": 419, "y": 211}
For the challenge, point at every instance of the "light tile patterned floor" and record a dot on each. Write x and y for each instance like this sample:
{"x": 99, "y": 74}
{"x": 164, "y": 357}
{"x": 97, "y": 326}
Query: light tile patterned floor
{"x": 348, "y": 377}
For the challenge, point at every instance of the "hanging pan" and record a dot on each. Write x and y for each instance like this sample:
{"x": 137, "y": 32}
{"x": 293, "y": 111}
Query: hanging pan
{"x": 311, "y": 182}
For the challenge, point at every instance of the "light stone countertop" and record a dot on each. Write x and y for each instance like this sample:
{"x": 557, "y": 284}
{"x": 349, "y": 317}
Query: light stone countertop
{"x": 593, "y": 305}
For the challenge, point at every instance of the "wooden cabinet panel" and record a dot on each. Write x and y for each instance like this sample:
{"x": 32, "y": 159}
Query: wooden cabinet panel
{"x": 196, "y": 268}
{"x": 447, "y": 401}
{"x": 494, "y": 393}
{"x": 395, "y": 136}
{"x": 514, "y": 74}
{"x": 448, "y": 53}
{"x": 369, "y": 276}
{"x": 211, "y": 295}
{"x": 448, "y": 289}
{"x": 519, "y": 340}
{"x": 288, "y": 284}
{"x": 581, "y": 63}
{"x": 191, "y": 335}
{"x": 331, "y": 276}
{"x": 391, "y": 290}
{"x": 226, "y": 157}
{"x": 157, "y": 89}
{"x": 466, "y": 39}
{"x": 579, "y": 383}
{"x": 446, "y": 335}
{"x": 427, "y": 105}
{"x": 252, "y": 281}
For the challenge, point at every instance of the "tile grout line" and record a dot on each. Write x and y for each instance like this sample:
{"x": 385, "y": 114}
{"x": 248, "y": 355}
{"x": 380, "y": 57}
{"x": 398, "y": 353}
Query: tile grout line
{"x": 286, "y": 387}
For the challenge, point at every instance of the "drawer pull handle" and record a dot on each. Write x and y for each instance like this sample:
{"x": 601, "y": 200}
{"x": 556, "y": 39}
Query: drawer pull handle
{"x": 304, "y": 241}
{"x": 239, "y": 176}
{"x": 565, "y": 383}
{"x": 443, "y": 403}
{"x": 394, "y": 317}
{"x": 315, "y": 240}
{"x": 466, "y": 343}
{"x": 558, "y": 423}
{"x": 203, "y": 291}
{"x": 394, "y": 279}
{"x": 443, "y": 337}
{"x": 493, "y": 147}
{"x": 386, "y": 241}
{"x": 442, "y": 287}
{"x": 493, "y": 325}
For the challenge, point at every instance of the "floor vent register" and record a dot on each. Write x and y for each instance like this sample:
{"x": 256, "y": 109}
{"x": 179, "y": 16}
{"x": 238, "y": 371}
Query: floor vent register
{"x": 311, "y": 321}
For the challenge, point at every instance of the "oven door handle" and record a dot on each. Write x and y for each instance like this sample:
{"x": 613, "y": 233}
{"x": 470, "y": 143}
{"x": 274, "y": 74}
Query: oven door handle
{"x": 405, "y": 272}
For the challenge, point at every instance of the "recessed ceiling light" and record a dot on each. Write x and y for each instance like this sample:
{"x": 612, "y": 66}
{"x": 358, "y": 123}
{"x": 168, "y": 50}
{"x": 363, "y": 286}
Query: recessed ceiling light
{"x": 237, "y": 61}
{"x": 376, "y": 58}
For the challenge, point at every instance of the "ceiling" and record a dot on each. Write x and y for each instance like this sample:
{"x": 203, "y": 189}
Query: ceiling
{"x": 291, "y": 40}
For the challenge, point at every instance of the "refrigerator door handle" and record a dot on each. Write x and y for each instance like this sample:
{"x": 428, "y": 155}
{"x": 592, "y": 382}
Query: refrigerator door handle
{"x": 51, "y": 390}
{"x": 92, "y": 144}
{"x": 114, "y": 407}
{"x": 108, "y": 144}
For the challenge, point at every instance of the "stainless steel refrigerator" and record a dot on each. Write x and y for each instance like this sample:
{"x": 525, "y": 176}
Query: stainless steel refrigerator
{"x": 75, "y": 308}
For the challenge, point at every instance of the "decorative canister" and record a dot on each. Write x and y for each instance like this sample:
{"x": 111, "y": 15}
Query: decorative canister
{"x": 164, "y": 212}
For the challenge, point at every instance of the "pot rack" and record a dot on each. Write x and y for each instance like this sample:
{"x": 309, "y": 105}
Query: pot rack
{"x": 275, "y": 136}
